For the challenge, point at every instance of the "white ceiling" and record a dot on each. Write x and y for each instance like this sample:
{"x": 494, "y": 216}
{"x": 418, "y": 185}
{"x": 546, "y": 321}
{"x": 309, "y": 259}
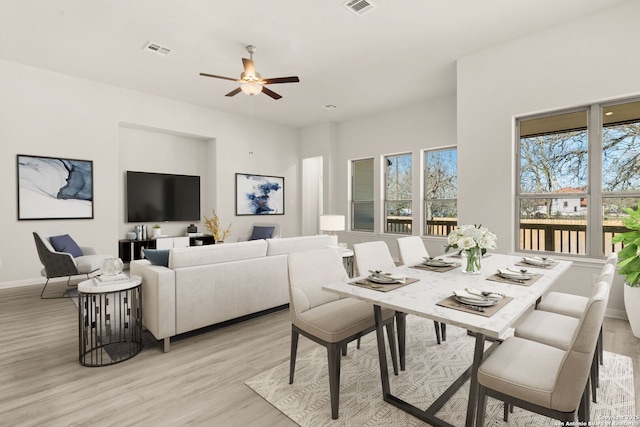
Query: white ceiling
{"x": 400, "y": 53}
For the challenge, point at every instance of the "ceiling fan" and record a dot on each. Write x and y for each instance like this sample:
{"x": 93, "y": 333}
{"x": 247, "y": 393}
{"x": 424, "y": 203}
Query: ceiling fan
{"x": 251, "y": 82}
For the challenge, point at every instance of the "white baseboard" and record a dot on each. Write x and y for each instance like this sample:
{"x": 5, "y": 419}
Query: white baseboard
{"x": 24, "y": 282}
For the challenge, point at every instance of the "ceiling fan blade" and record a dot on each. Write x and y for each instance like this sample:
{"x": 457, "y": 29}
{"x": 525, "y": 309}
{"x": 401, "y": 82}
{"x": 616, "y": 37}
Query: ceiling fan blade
{"x": 293, "y": 79}
{"x": 249, "y": 69}
{"x": 218, "y": 77}
{"x": 234, "y": 92}
{"x": 270, "y": 93}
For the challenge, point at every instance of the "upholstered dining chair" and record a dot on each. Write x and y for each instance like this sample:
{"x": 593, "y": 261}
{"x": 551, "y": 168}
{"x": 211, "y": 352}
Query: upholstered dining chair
{"x": 66, "y": 261}
{"x": 545, "y": 379}
{"x": 557, "y": 329}
{"x": 573, "y": 305}
{"x": 324, "y": 317}
{"x": 412, "y": 251}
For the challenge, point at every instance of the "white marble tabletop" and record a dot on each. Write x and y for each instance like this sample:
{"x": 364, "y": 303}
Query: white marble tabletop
{"x": 92, "y": 286}
{"x": 420, "y": 298}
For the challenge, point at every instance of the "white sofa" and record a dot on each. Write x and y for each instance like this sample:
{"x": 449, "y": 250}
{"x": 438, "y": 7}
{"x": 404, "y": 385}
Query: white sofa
{"x": 205, "y": 285}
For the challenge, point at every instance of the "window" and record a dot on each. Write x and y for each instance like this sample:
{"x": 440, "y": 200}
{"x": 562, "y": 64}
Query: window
{"x": 362, "y": 195}
{"x": 397, "y": 200}
{"x": 440, "y": 191}
{"x": 577, "y": 170}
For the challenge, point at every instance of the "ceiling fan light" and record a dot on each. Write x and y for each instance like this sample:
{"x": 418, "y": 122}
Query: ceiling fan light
{"x": 251, "y": 88}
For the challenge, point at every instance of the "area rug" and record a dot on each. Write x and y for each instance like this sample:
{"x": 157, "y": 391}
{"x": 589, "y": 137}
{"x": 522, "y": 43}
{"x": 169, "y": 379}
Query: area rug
{"x": 430, "y": 370}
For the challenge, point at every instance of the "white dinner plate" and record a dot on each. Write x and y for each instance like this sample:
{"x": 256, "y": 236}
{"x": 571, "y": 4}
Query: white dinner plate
{"x": 514, "y": 275}
{"x": 487, "y": 303}
{"x": 437, "y": 263}
{"x": 383, "y": 280}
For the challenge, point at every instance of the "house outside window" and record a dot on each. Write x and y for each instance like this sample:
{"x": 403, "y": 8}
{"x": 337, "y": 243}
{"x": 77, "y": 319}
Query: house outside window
{"x": 440, "y": 191}
{"x": 362, "y": 210}
{"x": 576, "y": 171}
{"x": 398, "y": 194}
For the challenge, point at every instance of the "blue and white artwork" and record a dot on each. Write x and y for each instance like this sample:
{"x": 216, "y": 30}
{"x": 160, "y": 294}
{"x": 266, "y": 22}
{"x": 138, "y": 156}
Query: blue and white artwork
{"x": 259, "y": 195}
{"x": 53, "y": 188}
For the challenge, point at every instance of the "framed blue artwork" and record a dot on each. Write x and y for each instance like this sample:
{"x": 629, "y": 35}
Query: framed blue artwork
{"x": 54, "y": 188}
{"x": 259, "y": 194}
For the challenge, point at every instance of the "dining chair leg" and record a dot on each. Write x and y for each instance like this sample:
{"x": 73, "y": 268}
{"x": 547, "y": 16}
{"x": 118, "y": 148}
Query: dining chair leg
{"x": 333, "y": 353}
{"x": 401, "y": 323}
{"x": 600, "y": 349}
{"x": 584, "y": 409}
{"x": 344, "y": 349}
{"x": 595, "y": 371}
{"x": 481, "y": 406}
{"x": 443, "y": 331}
{"x": 358, "y": 344}
{"x": 437, "y": 326}
{"x": 294, "y": 351}
{"x": 391, "y": 337}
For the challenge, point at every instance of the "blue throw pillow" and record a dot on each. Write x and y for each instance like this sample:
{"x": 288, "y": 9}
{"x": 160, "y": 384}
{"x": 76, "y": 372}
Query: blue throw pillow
{"x": 157, "y": 256}
{"x": 261, "y": 232}
{"x": 66, "y": 244}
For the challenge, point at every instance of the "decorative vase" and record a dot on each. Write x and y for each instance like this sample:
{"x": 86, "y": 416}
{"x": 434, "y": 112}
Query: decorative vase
{"x": 111, "y": 266}
{"x": 472, "y": 260}
{"x": 157, "y": 232}
{"x": 632, "y": 306}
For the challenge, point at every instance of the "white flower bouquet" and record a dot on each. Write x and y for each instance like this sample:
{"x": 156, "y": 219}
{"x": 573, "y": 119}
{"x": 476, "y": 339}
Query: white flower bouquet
{"x": 472, "y": 241}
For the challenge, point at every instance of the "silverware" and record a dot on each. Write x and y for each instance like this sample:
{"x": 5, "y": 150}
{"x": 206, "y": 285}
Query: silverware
{"x": 367, "y": 283}
{"x": 475, "y": 308}
{"x": 487, "y": 293}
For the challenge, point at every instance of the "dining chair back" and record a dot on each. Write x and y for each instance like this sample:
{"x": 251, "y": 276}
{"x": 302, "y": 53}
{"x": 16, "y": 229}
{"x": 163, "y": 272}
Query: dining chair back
{"x": 411, "y": 250}
{"x": 372, "y": 256}
{"x": 542, "y": 378}
{"x": 326, "y": 318}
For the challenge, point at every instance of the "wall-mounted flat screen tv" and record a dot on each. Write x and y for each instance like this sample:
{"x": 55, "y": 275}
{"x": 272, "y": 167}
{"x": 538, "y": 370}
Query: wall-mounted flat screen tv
{"x": 159, "y": 197}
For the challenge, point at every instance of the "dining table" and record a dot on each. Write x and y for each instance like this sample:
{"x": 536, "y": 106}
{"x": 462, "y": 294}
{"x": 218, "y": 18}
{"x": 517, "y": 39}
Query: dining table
{"x": 427, "y": 291}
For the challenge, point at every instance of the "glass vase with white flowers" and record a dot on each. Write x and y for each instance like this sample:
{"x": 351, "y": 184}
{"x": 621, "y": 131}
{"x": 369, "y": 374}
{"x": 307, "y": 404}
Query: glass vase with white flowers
{"x": 472, "y": 241}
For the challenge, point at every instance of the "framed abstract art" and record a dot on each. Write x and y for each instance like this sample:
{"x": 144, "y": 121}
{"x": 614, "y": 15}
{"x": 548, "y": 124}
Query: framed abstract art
{"x": 259, "y": 194}
{"x": 54, "y": 188}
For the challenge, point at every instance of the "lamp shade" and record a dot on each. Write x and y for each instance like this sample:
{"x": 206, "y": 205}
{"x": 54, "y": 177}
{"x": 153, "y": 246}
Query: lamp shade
{"x": 332, "y": 222}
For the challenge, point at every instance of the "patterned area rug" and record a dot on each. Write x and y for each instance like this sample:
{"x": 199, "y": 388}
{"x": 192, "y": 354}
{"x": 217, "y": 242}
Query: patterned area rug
{"x": 430, "y": 370}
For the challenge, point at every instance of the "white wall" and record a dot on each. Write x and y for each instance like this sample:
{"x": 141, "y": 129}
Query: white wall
{"x": 49, "y": 114}
{"x": 430, "y": 124}
{"x": 580, "y": 62}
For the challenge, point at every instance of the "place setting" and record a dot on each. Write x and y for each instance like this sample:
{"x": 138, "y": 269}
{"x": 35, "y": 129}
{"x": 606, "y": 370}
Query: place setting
{"x": 517, "y": 276}
{"x": 383, "y": 282}
{"x": 536, "y": 261}
{"x": 471, "y": 300}
{"x": 436, "y": 264}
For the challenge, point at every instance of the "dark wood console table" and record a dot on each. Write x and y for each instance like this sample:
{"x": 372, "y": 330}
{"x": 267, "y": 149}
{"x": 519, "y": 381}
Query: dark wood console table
{"x": 129, "y": 250}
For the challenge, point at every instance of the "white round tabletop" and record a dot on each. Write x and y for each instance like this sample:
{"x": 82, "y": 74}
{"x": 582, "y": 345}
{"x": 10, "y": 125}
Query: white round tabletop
{"x": 95, "y": 286}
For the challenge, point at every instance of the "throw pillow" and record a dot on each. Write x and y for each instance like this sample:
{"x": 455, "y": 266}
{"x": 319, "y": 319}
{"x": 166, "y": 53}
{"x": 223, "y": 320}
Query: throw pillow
{"x": 261, "y": 232}
{"x": 66, "y": 244}
{"x": 157, "y": 256}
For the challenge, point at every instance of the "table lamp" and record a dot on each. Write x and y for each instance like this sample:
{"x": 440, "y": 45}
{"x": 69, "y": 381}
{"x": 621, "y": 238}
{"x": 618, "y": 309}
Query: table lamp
{"x": 332, "y": 223}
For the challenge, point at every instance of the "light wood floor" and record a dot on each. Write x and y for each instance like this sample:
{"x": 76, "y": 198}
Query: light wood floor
{"x": 199, "y": 382}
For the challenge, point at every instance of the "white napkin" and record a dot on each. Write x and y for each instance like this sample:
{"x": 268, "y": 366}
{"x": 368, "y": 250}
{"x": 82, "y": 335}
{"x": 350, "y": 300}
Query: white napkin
{"x": 514, "y": 274}
{"x": 478, "y": 292}
{"x": 462, "y": 293}
{"x": 384, "y": 276}
{"x": 537, "y": 260}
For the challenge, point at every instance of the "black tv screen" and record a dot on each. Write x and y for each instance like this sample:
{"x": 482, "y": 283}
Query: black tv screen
{"x": 158, "y": 197}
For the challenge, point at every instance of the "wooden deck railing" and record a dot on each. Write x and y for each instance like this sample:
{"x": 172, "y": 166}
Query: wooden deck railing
{"x": 560, "y": 236}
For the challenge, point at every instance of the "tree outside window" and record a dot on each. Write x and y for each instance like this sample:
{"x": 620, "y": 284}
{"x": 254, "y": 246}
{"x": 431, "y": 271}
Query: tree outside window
{"x": 562, "y": 159}
{"x": 398, "y": 193}
{"x": 440, "y": 191}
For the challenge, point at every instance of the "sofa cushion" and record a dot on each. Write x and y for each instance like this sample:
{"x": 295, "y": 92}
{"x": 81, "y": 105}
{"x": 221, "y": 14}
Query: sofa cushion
{"x": 213, "y": 254}
{"x": 287, "y": 245}
{"x": 157, "y": 256}
{"x": 260, "y": 232}
{"x": 65, "y": 243}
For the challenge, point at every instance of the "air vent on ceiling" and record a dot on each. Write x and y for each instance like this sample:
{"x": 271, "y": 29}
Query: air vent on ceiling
{"x": 152, "y": 47}
{"x": 360, "y": 7}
